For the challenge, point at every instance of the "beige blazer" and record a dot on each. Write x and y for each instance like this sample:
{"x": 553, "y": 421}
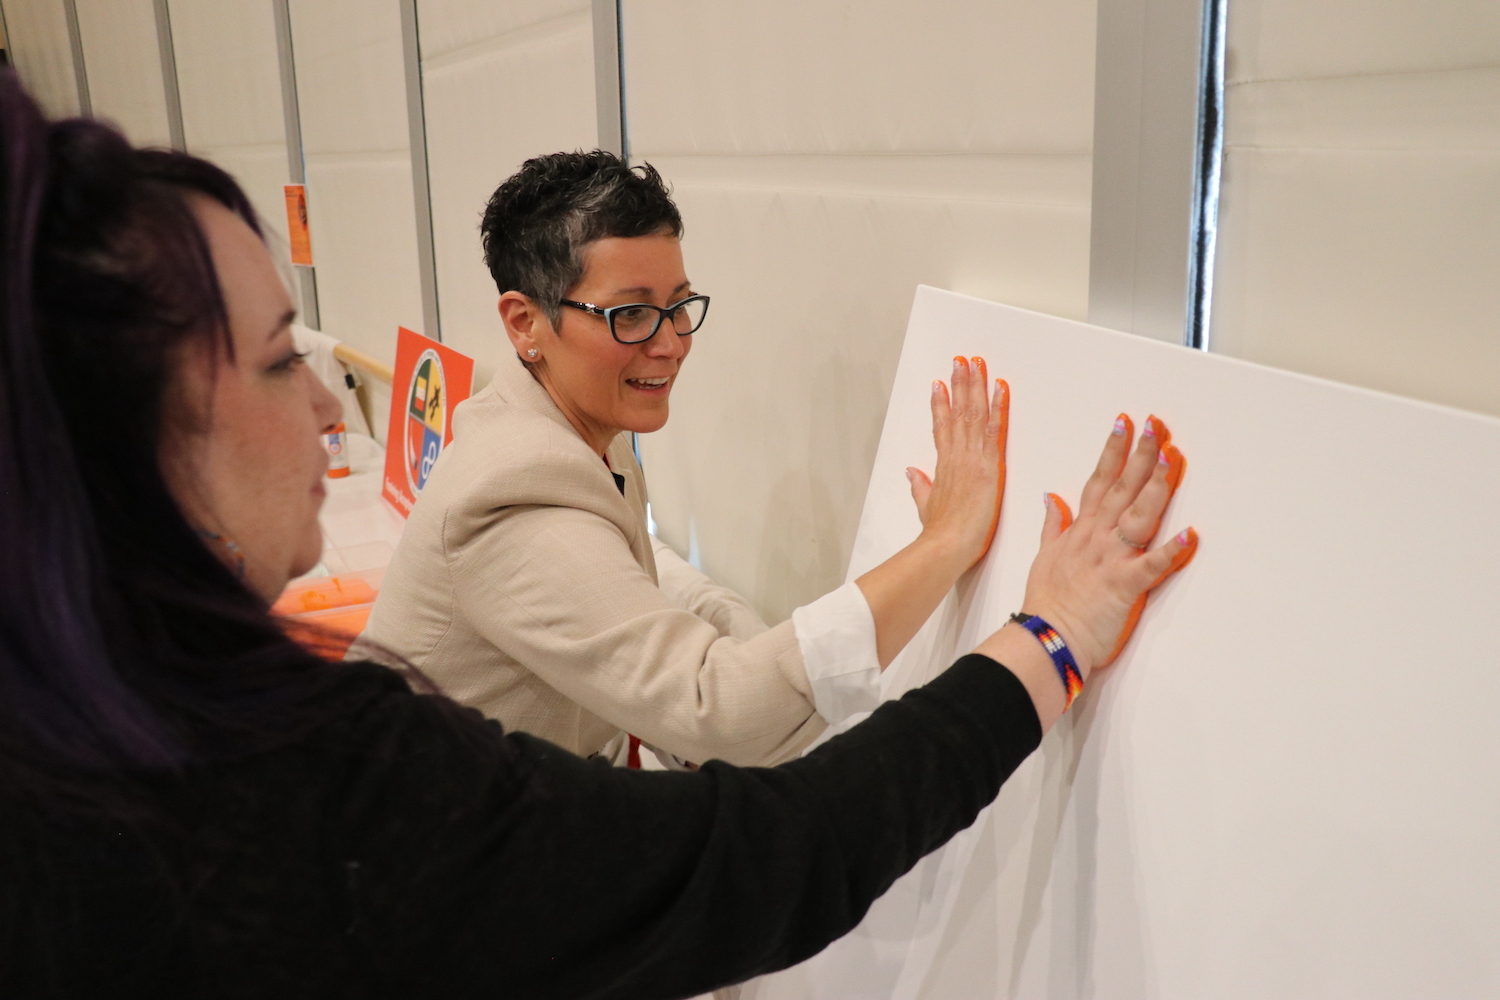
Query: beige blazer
{"x": 525, "y": 585}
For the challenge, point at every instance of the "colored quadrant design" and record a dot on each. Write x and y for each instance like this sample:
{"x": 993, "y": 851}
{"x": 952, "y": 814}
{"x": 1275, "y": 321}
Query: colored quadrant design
{"x": 425, "y": 419}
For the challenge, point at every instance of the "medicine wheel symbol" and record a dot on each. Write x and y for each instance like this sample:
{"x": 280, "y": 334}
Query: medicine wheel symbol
{"x": 426, "y": 418}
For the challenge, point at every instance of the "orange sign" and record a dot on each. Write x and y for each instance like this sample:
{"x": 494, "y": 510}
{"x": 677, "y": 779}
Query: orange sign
{"x": 296, "y": 224}
{"x": 430, "y": 381}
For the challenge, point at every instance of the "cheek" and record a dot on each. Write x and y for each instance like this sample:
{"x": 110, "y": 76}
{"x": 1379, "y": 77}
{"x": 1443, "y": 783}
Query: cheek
{"x": 269, "y": 459}
{"x": 599, "y": 376}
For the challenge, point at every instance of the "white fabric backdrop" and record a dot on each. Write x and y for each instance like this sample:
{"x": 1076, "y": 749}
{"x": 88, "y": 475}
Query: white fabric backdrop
{"x": 1360, "y": 229}
{"x": 124, "y": 67}
{"x": 827, "y": 157}
{"x": 503, "y": 82}
{"x": 37, "y": 36}
{"x": 352, "y": 98}
{"x": 230, "y": 82}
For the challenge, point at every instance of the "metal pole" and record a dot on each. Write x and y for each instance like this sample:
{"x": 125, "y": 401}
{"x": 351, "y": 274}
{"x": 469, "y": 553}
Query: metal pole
{"x": 609, "y": 77}
{"x": 1153, "y": 214}
{"x": 296, "y": 163}
{"x": 416, "y": 120}
{"x": 1209, "y": 167}
{"x": 169, "y": 75}
{"x": 80, "y": 70}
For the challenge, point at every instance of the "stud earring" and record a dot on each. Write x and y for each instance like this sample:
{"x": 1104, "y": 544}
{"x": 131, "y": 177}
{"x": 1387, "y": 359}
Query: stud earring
{"x": 531, "y": 353}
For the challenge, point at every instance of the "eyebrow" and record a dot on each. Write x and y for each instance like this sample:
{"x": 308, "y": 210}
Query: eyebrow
{"x": 287, "y": 318}
{"x": 643, "y": 290}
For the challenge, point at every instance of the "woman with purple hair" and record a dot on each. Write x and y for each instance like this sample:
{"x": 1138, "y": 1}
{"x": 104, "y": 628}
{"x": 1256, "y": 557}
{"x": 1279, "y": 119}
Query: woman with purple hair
{"x": 193, "y": 803}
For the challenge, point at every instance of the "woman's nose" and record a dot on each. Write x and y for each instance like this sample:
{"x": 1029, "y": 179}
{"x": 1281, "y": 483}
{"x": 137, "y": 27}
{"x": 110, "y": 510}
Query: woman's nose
{"x": 326, "y": 406}
{"x": 667, "y": 343}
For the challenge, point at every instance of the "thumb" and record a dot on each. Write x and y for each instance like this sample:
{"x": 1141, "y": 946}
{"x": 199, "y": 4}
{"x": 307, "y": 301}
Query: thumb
{"x": 1059, "y": 517}
{"x": 921, "y": 489}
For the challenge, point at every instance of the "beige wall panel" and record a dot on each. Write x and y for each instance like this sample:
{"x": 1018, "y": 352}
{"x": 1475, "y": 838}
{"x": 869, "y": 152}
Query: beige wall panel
{"x": 230, "y": 80}
{"x": 448, "y": 25}
{"x": 350, "y": 86}
{"x": 763, "y": 467}
{"x": 843, "y": 76}
{"x": 1378, "y": 269}
{"x": 1440, "y": 110}
{"x": 352, "y": 98}
{"x": 829, "y": 156}
{"x": 42, "y": 54}
{"x": 1276, "y": 39}
{"x": 491, "y": 105}
{"x": 124, "y": 66}
{"x": 1359, "y": 233}
{"x": 365, "y": 245}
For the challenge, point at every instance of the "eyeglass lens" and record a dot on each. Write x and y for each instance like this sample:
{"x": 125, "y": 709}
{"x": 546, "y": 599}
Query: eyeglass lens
{"x": 632, "y": 323}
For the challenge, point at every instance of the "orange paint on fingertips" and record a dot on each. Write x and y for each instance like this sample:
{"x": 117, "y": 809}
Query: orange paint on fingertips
{"x": 1154, "y": 428}
{"x": 1063, "y": 509}
{"x": 1179, "y": 465}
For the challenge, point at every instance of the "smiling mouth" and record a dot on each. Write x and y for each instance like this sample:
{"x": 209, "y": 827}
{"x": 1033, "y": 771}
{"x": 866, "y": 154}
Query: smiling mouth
{"x": 648, "y": 383}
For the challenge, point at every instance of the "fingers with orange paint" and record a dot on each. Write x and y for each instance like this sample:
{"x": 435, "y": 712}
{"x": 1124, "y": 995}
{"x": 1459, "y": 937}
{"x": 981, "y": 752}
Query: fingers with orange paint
{"x": 1059, "y": 517}
{"x": 960, "y": 502}
{"x": 1091, "y": 577}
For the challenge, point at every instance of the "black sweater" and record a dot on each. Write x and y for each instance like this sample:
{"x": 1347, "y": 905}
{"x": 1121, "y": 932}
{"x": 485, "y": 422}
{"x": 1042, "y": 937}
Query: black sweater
{"x": 410, "y": 849}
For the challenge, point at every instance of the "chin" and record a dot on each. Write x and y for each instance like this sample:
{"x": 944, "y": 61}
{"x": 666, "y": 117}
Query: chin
{"x": 308, "y": 555}
{"x": 648, "y": 422}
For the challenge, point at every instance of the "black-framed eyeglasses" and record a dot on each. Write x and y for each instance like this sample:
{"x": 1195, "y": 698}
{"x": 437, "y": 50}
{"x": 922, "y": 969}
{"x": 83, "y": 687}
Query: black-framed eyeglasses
{"x": 637, "y": 322}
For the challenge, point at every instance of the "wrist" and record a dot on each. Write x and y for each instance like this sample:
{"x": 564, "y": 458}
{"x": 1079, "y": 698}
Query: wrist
{"x": 1023, "y": 656}
{"x": 947, "y": 552}
{"x": 1066, "y": 632}
{"x": 1051, "y": 640}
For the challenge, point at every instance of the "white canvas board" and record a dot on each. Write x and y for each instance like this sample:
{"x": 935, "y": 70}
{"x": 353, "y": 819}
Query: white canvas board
{"x": 1289, "y": 786}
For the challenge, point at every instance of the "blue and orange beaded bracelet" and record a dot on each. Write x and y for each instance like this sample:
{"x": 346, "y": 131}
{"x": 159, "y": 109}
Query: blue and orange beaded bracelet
{"x": 1062, "y": 657}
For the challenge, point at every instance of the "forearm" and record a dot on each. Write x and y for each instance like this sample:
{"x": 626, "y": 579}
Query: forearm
{"x": 1020, "y": 651}
{"x": 692, "y": 590}
{"x": 728, "y": 873}
{"x": 906, "y": 589}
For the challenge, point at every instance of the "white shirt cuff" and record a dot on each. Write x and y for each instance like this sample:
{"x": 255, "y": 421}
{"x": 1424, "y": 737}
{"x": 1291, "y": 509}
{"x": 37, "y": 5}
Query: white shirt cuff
{"x": 836, "y": 634}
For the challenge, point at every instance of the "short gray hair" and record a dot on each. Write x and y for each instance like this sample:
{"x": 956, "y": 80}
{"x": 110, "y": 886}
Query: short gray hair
{"x": 538, "y": 222}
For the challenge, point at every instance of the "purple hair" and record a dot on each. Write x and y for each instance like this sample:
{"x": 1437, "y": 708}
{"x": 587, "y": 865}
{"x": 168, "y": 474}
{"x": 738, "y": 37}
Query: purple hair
{"x": 123, "y": 641}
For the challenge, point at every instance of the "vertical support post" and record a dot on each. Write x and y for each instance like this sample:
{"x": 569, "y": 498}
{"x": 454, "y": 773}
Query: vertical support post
{"x": 609, "y": 101}
{"x": 1147, "y": 270}
{"x": 170, "y": 88}
{"x": 296, "y": 161}
{"x": 1207, "y": 172}
{"x": 609, "y": 77}
{"x": 416, "y": 120}
{"x": 80, "y": 70}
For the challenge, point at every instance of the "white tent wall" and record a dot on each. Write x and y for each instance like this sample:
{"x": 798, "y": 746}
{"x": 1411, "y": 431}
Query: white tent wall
{"x": 124, "y": 67}
{"x": 229, "y": 77}
{"x": 37, "y": 36}
{"x": 828, "y": 157}
{"x": 501, "y": 83}
{"x": 352, "y": 100}
{"x": 1359, "y": 234}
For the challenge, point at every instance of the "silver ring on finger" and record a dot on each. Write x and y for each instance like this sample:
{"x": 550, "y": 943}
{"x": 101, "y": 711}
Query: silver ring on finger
{"x": 1134, "y": 545}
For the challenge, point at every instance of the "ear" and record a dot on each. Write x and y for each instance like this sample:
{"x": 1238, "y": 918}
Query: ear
{"x": 525, "y": 324}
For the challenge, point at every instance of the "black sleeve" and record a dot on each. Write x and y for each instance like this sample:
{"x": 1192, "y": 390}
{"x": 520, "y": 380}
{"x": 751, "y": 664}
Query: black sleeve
{"x": 516, "y": 868}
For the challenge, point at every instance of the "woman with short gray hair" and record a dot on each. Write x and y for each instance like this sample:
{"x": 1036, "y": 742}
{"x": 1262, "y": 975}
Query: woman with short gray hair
{"x": 526, "y": 583}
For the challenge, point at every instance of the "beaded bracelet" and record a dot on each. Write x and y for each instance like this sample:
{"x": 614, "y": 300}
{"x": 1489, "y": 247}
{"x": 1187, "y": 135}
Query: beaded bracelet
{"x": 1062, "y": 657}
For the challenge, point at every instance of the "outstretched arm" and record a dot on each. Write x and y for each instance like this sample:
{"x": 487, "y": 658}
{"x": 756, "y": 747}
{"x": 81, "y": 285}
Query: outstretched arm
{"x": 959, "y": 507}
{"x": 527, "y": 871}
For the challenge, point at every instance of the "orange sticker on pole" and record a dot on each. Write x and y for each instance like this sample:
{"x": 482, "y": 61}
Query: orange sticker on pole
{"x": 296, "y": 224}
